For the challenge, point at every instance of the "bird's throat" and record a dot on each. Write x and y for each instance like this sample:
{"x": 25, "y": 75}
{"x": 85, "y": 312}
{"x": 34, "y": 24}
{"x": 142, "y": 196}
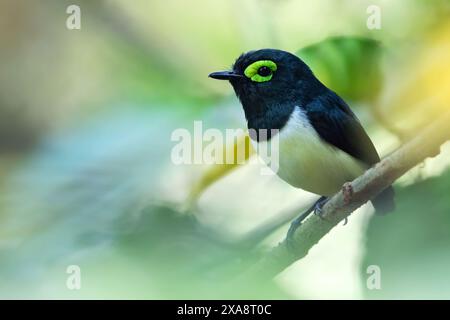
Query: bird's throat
{"x": 265, "y": 119}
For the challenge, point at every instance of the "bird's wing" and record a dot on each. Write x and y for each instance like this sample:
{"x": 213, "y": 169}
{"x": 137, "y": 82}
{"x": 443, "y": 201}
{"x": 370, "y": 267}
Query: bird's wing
{"x": 336, "y": 124}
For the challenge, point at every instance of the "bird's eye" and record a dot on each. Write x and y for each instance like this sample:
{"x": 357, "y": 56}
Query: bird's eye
{"x": 261, "y": 71}
{"x": 264, "y": 71}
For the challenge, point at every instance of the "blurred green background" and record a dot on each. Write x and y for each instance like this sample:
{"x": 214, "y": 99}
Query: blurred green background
{"x": 86, "y": 176}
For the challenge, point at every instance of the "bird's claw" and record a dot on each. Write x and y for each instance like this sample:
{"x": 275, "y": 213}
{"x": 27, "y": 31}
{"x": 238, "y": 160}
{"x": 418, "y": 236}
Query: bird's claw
{"x": 318, "y": 211}
{"x": 318, "y": 208}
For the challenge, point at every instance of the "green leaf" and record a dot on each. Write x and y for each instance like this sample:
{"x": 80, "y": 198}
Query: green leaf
{"x": 411, "y": 245}
{"x": 348, "y": 65}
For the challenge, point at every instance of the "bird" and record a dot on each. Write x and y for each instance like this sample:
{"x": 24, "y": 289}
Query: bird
{"x": 321, "y": 143}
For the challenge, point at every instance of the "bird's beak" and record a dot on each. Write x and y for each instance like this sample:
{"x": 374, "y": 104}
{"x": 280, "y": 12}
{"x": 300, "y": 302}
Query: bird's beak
{"x": 224, "y": 75}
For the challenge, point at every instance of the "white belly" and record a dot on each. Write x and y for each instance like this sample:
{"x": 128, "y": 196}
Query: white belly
{"x": 308, "y": 162}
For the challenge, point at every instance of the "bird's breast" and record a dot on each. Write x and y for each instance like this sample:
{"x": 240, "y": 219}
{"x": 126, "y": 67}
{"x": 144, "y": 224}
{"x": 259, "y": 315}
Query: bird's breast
{"x": 306, "y": 161}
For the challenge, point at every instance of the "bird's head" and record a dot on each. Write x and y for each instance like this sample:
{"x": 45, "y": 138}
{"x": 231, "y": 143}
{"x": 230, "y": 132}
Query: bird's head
{"x": 269, "y": 81}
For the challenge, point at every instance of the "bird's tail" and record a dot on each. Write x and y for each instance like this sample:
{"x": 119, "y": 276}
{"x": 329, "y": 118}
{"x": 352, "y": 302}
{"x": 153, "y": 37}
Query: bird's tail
{"x": 384, "y": 202}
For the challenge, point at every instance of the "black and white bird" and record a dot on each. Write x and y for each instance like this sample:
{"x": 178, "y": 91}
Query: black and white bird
{"x": 322, "y": 144}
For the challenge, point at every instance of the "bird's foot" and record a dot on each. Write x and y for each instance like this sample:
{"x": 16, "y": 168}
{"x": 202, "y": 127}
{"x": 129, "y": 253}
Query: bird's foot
{"x": 316, "y": 207}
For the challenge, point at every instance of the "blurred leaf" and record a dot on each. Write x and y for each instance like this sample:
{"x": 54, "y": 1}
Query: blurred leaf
{"x": 411, "y": 244}
{"x": 422, "y": 81}
{"x": 186, "y": 260}
{"x": 348, "y": 65}
{"x": 217, "y": 171}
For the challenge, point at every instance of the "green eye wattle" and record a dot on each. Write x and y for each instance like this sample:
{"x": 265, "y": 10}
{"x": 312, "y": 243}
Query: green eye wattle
{"x": 260, "y": 71}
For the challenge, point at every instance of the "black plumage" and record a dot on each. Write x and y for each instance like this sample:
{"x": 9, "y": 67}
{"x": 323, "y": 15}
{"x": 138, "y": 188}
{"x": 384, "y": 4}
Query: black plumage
{"x": 269, "y": 104}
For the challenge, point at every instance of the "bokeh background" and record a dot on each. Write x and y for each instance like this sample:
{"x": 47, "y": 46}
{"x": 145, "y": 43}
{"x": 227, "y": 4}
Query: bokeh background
{"x": 86, "y": 177}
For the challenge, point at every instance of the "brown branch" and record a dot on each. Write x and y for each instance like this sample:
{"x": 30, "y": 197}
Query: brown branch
{"x": 352, "y": 196}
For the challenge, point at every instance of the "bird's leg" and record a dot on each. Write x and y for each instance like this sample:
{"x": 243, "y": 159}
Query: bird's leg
{"x": 298, "y": 221}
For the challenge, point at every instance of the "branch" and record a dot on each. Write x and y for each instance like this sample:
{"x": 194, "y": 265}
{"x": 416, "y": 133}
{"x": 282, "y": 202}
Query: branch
{"x": 353, "y": 195}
